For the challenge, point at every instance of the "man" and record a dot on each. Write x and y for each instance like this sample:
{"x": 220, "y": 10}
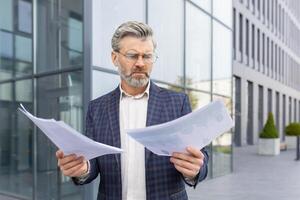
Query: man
{"x": 137, "y": 174}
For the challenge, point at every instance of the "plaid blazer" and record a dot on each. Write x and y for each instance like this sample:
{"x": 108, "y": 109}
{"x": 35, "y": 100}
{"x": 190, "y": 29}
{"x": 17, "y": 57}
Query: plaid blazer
{"x": 163, "y": 181}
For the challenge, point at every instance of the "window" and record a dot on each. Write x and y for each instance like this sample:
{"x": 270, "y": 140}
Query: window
{"x": 258, "y": 8}
{"x": 253, "y": 45}
{"x": 270, "y": 101}
{"x": 263, "y": 10}
{"x": 272, "y": 58}
{"x": 268, "y": 56}
{"x": 234, "y": 34}
{"x": 263, "y": 51}
{"x": 169, "y": 66}
{"x": 260, "y": 108}
{"x": 277, "y": 110}
{"x": 198, "y": 41}
{"x": 241, "y": 36}
{"x": 258, "y": 46}
{"x": 247, "y": 41}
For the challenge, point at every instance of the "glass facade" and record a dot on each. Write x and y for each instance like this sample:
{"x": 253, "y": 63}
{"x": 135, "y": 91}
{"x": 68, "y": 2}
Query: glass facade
{"x": 43, "y": 48}
{"x": 41, "y": 60}
{"x": 194, "y": 53}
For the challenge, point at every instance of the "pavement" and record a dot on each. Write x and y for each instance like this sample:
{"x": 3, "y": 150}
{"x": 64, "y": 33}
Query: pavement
{"x": 254, "y": 177}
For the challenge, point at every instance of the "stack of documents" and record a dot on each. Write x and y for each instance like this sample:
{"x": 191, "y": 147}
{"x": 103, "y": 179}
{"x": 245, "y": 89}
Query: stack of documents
{"x": 69, "y": 140}
{"x": 196, "y": 129}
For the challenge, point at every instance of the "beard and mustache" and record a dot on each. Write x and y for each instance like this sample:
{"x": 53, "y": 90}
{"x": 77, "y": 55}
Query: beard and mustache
{"x": 129, "y": 78}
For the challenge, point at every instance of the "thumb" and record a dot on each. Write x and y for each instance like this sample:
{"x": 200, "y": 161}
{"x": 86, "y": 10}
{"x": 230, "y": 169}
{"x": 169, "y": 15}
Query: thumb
{"x": 59, "y": 154}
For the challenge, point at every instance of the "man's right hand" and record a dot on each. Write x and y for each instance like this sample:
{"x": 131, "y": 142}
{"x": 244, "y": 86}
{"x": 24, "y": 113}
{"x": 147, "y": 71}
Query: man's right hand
{"x": 71, "y": 165}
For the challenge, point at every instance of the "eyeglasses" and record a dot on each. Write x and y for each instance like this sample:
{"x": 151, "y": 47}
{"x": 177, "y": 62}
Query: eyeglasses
{"x": 149, "y": 58}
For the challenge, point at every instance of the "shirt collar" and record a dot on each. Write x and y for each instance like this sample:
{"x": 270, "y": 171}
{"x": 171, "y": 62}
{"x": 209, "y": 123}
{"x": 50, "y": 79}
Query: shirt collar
{"x": 138, "y": 96}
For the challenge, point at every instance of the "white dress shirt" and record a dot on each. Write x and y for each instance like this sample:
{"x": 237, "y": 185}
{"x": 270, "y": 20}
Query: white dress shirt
{"x": 133, "y": 114}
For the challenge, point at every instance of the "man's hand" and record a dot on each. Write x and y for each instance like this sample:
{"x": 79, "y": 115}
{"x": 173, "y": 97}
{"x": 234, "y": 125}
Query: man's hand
{"x": 189, "y": 164}
{"x": 71, "y": 165}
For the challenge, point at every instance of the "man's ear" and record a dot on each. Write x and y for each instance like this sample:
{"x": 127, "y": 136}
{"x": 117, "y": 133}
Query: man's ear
{"x": 114, "y": 58}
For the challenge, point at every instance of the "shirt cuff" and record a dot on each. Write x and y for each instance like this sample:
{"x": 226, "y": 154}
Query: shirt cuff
{"x": 190, "y": 181}
{"x": 85, "y": 176}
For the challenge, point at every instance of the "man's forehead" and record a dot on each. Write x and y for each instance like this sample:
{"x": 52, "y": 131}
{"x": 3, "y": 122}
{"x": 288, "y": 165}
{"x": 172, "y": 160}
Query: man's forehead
{"x": 138, "y": 44}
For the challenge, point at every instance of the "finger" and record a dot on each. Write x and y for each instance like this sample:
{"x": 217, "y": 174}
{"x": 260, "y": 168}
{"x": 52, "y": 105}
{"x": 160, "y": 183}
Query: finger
{"x": 185, "y": 164}
{"x": 66, "y": 159}
{"x": 59, "y": 154}
{"x": 75, "y": 171}
{"x": 185, "y": 172}
{"x": 72, "y": 163}
{"x": 186, "y": 157}
{"x": 195, "y": 152}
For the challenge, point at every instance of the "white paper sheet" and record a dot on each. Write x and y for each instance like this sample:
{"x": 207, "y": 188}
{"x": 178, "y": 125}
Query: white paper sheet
{"x": 69, "y": 140}
{"x": 196, "y": 129}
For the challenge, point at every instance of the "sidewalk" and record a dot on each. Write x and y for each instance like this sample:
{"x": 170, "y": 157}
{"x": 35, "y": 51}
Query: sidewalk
{"x": 254, "y": 178}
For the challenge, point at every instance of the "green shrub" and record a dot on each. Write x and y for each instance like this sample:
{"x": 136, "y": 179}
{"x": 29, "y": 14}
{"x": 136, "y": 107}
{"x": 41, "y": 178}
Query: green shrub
{"x": 293, "y": 129}
{"x": 269, "y": 130}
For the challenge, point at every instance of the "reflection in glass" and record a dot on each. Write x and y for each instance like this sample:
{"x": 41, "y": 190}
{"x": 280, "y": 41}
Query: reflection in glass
{"x": 23, "y": 62}
{"x": 6, "y": 55}
{"x": 117, "y": 12}
{"x": 169, "y": 66}
{"x": 16, "y": 139}
{"x": 25, "y": 16}
{"x": 222, "y": 146}
{"x": 58, "y": 97}
{"x": 23, "y": 49}
{"x": 223, "y": 11}
{"x": 60, "y": 38}
{"x": 6, "y": 15}
{"x": 222, "y": 60}
{"x": 103, "y": 83}
{"x": 198, "y": 99}
{"x": 205, "y": 4}
{"x": 198, "y": 45}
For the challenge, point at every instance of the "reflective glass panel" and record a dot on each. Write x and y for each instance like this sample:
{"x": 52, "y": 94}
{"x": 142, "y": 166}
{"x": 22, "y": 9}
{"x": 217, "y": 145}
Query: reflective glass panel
{"x": 198, "y": 45}
{"x": 222, "y": 146}
{"x": 58, "y": 97}
{"x": 6, "y": 55}
{"x": 117, "y": 12}
{"x": 16, "y": 140}
{"x": 6, "y": 15}
{"x": 103, "y": 83}
{"x": 25, "y": 16}
{"x": 223, "y": 11}
{"x": 60, "y": 38}
{"x": 222, "y": 59}
{"x": 23, "y": 61}
{"x": 205, "y": 4}
{"x": 169, "y": 66}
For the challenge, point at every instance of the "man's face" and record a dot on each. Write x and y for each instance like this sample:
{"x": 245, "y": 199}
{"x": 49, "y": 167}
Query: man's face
{"x": 134, "y": 60}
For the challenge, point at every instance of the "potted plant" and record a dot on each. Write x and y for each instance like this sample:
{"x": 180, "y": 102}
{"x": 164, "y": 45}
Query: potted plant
{"x": 269, "y": 142}
{"x": 293, "y": 129}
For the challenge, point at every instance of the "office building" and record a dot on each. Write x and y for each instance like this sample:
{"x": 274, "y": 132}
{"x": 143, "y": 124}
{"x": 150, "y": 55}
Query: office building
{"x": 266, "y": 51}
{"x": 55, "y": 58}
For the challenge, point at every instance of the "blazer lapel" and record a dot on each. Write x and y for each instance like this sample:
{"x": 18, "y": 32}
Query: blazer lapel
{"x": 114, "y": 120}
{"x": 154, "y": 111}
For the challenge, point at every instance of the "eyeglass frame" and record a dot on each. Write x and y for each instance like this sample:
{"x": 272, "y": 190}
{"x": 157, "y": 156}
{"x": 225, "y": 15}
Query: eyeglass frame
{"x": 135, "y": 57}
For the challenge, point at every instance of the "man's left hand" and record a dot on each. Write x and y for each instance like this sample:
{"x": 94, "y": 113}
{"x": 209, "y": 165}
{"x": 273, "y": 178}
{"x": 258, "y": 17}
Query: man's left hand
{"x": 190, "y": 163}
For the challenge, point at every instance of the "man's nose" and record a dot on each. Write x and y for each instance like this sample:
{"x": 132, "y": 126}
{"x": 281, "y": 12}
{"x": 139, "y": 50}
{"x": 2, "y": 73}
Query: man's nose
{"x": 140, "y": 61}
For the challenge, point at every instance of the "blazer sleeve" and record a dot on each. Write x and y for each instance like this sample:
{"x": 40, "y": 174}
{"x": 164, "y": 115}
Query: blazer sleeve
{"x": 94, "y": 167}
{"x": 186, "y": 108}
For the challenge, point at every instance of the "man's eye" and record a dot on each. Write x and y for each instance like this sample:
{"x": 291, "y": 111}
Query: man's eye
{"x": 132, "y": 56}
{"x": 148, "y": 56}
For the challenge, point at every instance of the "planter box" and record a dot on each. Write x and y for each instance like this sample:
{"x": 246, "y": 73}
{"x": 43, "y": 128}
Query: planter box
{"x": 269, "y": 146}
{"x": 291, "y": 142}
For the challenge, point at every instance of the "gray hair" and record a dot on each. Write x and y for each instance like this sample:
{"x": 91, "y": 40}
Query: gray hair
{"x": 134, "y": 29}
